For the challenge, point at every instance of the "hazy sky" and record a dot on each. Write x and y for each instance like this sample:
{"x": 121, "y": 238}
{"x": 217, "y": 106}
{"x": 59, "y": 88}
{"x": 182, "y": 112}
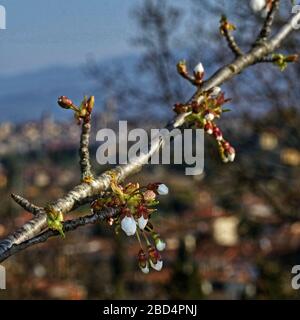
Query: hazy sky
{"x": 45, "y": 32}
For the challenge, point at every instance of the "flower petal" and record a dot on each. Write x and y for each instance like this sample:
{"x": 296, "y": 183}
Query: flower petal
{"x": 162, "y": 189}
{"x": 158, "y": 266}
{"x": 128, "y": 225}
{"x": 142, "y": 222}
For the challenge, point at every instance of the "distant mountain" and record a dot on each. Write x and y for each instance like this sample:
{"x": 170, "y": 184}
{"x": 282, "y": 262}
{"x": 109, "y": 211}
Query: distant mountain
{"x": 30, "y": 95}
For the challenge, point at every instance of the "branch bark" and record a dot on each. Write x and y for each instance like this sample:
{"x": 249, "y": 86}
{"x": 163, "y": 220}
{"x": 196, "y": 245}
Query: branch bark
{"x": 85, "y": 164}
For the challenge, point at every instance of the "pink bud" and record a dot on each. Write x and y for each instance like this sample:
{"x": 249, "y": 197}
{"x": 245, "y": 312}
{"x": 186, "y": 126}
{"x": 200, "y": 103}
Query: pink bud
{"x": 218, "y": 134}
{"x": 65, "y": 102}
{"x": 209, "y": 128}
{"x": 149, "y": 195}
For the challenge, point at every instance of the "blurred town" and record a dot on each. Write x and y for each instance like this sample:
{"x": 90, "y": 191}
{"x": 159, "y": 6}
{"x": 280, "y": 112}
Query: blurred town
{"x": 231, "y": 233}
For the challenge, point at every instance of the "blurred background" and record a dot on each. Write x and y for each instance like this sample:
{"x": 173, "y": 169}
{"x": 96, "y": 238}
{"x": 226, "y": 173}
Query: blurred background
{"x": 231, "y": 233}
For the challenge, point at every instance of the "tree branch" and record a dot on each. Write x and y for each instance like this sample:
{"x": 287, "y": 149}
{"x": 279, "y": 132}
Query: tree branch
{"x": 239, "y": 64}
{"x": 94, "y": 188}
{"x": 68, "y": 226}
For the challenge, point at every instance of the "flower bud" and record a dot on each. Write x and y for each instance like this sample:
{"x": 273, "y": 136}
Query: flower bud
{"x": 142, "y": 222}
{"x": 225, "y": 159}
{"x": 162, "y": 189}
{"x": 155, "y": 259}
{"x": 180, "y": 108}
{"x": 226, "y": 145}
{"x": 292, "y": 58}
{"x": 208, "y": 128}
{"x": 196, "y": 107}
{"x": 149, "y": 195}
{"x": 157, "y": 266}
{"x": 143, "y": 262}
{"x": 218, "y": 134}
{"x": 160, "y": 245}
{"x": 258, "y": 5}
{"x": 181, "y": 67}
{"x": 230, "y": 154}
{"x": 215, "y": 92}
{"x": 128, "y": 225}
{"x": 199, "y": 69}
{"x": 209, "y": 116}
{"x": 65, "y": 102}
{"x": 90, "y": 104}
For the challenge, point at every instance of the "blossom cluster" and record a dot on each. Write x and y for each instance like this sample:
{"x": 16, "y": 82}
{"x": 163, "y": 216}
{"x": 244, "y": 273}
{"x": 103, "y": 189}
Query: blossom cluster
{"x": 135, "y": 205}
{"x": 204, "y": 112}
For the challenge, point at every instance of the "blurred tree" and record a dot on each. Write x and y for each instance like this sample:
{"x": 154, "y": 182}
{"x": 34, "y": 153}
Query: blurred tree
{"x": 118, "y": 270}
{"x": 185, "y": 282}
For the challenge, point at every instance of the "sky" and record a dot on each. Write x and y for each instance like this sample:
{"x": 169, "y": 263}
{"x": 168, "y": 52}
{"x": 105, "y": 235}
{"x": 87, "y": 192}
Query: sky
{"x": 41, "y": 33}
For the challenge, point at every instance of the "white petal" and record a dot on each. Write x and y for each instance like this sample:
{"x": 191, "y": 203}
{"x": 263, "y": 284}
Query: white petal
{"x": 225, "y": 160}
{"x": 231, "y": 157}
{"x": 162, "y": 190}
{"x": 158, "y": 266}
{"x": 128, "y": 225}
{"x": 199, "y": 68}
{"x": 215, "y": 92}
{"x": 257, "y": 5}
{"x": 209, "y": 117}
{"x": 145, "y": 269}
{"x": 142, "y": 222}
{"x": 219, "y": 138}
{"x": 160, "y": 245}
{"x": 200, "y": 99}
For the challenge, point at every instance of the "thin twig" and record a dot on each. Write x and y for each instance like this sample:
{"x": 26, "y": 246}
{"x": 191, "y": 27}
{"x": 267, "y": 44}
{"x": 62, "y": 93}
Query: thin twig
{"x": 267, "y": 27}
{"x": 190, "y": 79}
{"x": 85, "y": 164}
{"x": 26, "y": 205}
{"x": 232, "y": 44}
